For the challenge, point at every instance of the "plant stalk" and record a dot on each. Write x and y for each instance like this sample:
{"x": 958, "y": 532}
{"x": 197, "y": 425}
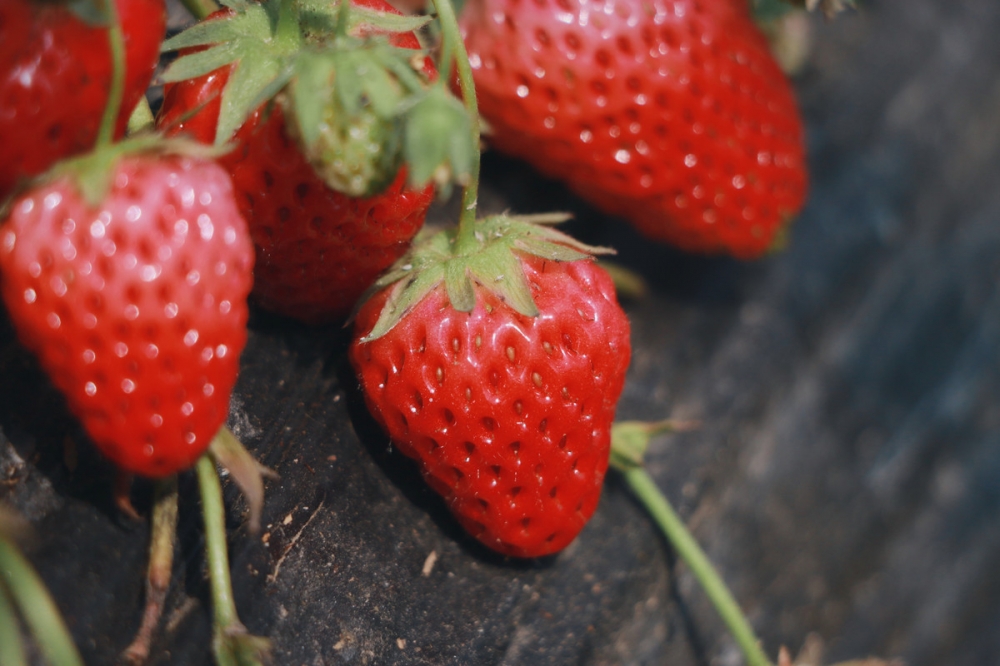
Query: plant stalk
{"x": 453, "y": 45}
{"x": 161, "y": 562}
{"x": 213, "y": 512}
{"x": 39, "y": 611}
{"x": 116, "y": 40}
{"x": 690, "y": 552}
{"x": 11, "y": 645}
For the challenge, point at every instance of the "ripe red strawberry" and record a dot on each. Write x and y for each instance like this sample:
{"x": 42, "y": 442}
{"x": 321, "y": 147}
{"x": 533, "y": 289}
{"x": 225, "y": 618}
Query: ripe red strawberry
{"x": 318, "y": 249}
{"x": 136, "y": 308}
{"x": 55, "y": 72}
{"x": 508, "y": 414}
{"x": 670, "y": 113}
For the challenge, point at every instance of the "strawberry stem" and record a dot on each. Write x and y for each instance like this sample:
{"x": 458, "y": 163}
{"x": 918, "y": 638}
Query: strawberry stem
{"x": 288, "y": 32}
{"x": 20, "y": 581}
{"x": 213, "y": 514}
{"x": 11, "y": 646}
{"x": 685, "y": 545}
{"x": 231, "y": 643}
{"x": 116, "y": 40}
{"x": 161, "y": 562}
{"x": 454, "y": 46}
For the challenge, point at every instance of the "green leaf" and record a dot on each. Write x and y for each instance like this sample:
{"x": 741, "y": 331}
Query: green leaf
{"x": 349, "y": 86}
{"x": 404, "y": 297}
{"x": 549, "y": 250}
{"x": 229, "y": 452}
{"x": 263, "y": 39}
{"x": 215, "y": 31}
{"x": 381, "y": 88}
{"x": 200, "y": 63}
{"x": 401, "y": 63}
{"x": 492, "y": 260}
{"x": 500, "y": 272}
{"x": 364, "y": 19}
{"x": 256, "y": 79}
{"x": 437, "y": 139}
{"x": 458, "y": 283}
{"x": 314, "y": 74}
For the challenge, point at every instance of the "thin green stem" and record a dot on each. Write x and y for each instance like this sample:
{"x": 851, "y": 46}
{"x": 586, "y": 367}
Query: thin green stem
{"x": 200, "y": 9}
{"x": 213, "y": 512}
{"x": 37, "y": 607}
{"x": 453, "y": 44}
{"x": 231, "y": 644}
{"x": 116, "y": 40}
{"x": 288, "y": 32}
{"x": 11, "y": 645}
{"x": 688, "y": 549}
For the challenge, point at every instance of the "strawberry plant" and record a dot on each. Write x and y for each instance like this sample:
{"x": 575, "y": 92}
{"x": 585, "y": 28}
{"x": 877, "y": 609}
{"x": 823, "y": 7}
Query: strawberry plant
{"x": 493, "y": 353}
{"x": 671, "y": 114}
{"x": 318, "y": 172}
{"x": 126, "y": 271}
{"x": 498, "y": 366}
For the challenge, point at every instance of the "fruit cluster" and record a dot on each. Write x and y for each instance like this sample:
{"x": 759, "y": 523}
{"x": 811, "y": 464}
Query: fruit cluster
{"x": 293, "y": 161}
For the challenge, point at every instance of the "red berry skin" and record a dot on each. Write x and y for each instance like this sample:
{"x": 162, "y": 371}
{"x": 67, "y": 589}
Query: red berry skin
{"x": 508, "y": 416}
{"x": 55, "y": 73}
{"x": 136, "y": 309}
{"x": 670, "y": 113}
{"x": 318, "y": 249}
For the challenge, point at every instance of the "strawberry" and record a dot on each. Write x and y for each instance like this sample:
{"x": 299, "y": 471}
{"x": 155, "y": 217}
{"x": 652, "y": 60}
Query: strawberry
{"x": 317, "y": 249}
{"x": 503, "y": 386}
{"x": 669, "y": 113}
{"x": 55, "y": 73}
{"x": 135, "y": 305}
{"x": 319, "y": 244}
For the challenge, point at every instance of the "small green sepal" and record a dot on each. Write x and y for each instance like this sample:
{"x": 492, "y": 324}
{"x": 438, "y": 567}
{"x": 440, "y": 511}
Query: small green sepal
{"x": 227, "y": 451}
{"x": 344, "y": 105}
{"x": 437, "y": 142}
{"x": 331, "y": 63}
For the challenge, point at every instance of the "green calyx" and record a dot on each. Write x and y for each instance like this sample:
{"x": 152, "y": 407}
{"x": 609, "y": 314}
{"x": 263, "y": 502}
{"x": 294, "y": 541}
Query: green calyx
{"x": 489, "y": 261}
{"x": 350, "y": 96}
{"x": 357, "y": 154}
{"x": 343, "y": 104}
